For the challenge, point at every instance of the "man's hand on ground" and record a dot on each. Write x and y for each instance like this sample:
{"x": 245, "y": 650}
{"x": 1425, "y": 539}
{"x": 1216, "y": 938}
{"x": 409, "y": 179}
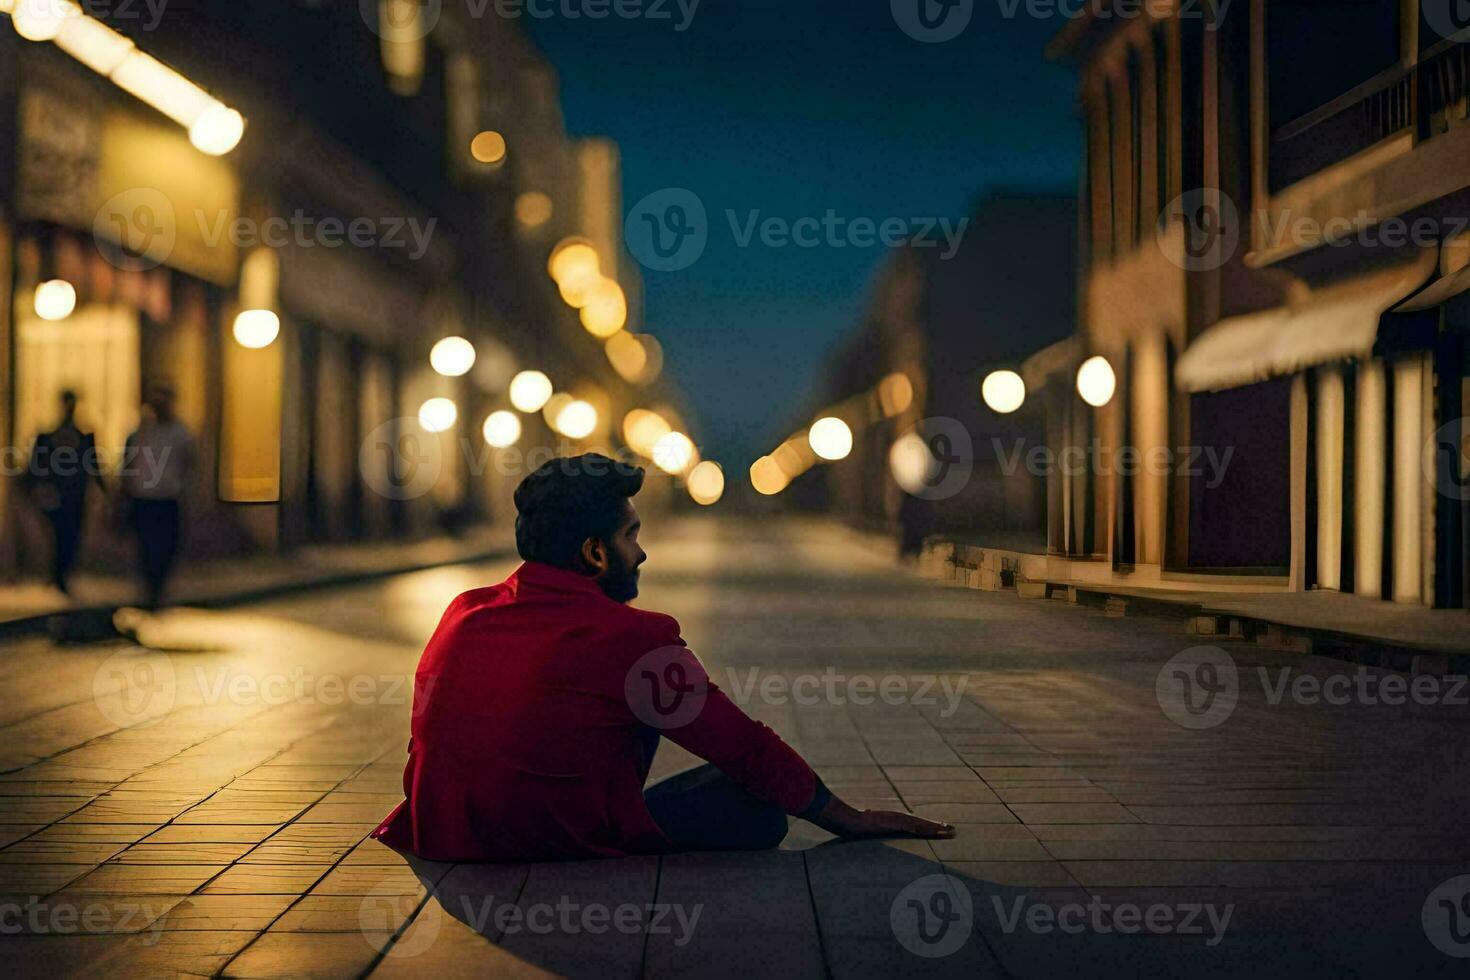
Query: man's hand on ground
{"x": 845, "y": 821}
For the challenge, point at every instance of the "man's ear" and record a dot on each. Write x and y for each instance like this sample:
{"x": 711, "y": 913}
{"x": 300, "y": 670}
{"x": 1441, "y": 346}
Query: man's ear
{"x": 594, "y": 555}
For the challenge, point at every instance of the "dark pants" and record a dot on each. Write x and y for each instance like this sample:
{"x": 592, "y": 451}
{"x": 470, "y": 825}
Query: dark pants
{"x": 66, "y": 538}
{"x": 157, "y": 525}
{"x": 702, "y": 809}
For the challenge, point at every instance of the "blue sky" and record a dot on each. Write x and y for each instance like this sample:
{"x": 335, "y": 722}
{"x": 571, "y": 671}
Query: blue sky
{"x": 794, "y": 109}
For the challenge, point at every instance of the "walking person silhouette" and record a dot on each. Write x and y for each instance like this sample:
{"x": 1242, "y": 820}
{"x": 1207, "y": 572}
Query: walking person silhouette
{"x": 61, "y": 461}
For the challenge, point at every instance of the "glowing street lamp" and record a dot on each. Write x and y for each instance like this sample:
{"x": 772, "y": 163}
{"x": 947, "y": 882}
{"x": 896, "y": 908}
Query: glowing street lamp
{"x": 767, "y": 478}
{"x": 1003, "y": 391}
{"x": 830, "y": 438}
{"x": 606, "y": 309}
{"x": 530, "y": 390}
{"x": 577, "y": 420}
{"x": 437, "y": 415}
{"x": 452, "y": 357}
{"x": 502, "y": 429}
{"x": 674, "y": 453}
{"x": 256, "y": 329}
{"x": 55, "y": 299}
{"x": 706, "y": 483}
{"x": 1096, "y": 381}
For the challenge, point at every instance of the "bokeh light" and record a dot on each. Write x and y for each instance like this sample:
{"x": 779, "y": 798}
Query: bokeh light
{"x": 767, "y": 477}
{"x": 911, "y": 462}
{"x": 1096, "y": 381}
{"x": 642, "y": 429}
{"x": 55, "y": 299}
{"x": 706, "y": 483}
{"x": 256, "y": 328}
{"x": 218, "y": 130}
{"x": 501, "y": 429}
{"x": 530, "y": 390}
{"x": 895, "y": 394}
{"x": 674, "y": 453}
{"x": 437, "y": 415}
{"x": 533, "y": 208}
{"x": 1003, "y": 391}
{"x": 830, "y": 438}
{"x": 577, "y": 420}
{"x": 488, "y": 147}
{"x": 606, "y": 309}
{"x": 452, "y": 357}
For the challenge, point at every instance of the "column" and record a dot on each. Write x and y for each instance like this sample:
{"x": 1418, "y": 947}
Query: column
{"x": 1368, "y": 480}
{"x": 1408, "y": 477}
{"x": 1330, "y": 414}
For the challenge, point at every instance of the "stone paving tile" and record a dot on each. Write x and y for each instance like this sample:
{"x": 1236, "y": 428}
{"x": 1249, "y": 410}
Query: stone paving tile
{"x": 1028, "y": 793}
{"x": 210, "y": 834}
{"x": 230, "y": 913}
{"x": 97, "y": 914}
{"x": 95, "y": 833}
{"x": 1015, "y": 874}
{"x": 187, "y": 952}
{"x": 189, "y": 853}
{"x": 946, "y": 791}
{"x": 958, "y": 813}
{"x": 309, "y": 955}
{"x": 347, "y": 913}
{"x": 38, "y": 879}
{"x": 59, "y": 852}
{"x": 1072, "y": 812}
{"x": 266, "y": 879}
{"x": 376, "y": 879}
{"x": 146, "y": 879}
{"x": 930, "y": 773}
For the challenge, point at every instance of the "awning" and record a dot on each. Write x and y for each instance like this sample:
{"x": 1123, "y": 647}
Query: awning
{"x": 1331, "y": 324}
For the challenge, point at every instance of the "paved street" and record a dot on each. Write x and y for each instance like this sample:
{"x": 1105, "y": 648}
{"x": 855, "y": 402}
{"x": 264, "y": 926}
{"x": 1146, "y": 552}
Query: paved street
{"x": 198, "y": 805}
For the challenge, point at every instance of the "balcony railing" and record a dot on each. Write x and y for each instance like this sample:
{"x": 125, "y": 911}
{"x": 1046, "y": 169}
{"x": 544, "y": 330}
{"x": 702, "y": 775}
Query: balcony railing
{"x": 1428, "y": 98}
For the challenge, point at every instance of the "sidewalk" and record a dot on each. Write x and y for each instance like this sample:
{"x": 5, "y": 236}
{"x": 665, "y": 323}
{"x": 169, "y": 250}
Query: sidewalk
{"x": 1332, "y": 623}
{"x": 26, "y": 606}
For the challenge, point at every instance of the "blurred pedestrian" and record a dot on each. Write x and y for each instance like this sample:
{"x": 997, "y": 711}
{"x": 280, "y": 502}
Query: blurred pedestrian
{"x": 61, "y": 461}
{"x": 157, "y": 463}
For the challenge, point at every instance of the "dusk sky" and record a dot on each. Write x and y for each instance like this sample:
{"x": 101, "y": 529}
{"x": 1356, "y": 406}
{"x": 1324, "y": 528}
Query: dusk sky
{"x": 791, "y": 109}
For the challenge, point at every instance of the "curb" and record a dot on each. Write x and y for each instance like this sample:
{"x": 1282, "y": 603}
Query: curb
{"x": 54, "y": 623}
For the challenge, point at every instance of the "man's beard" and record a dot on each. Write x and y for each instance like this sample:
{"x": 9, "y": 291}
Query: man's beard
{"x": 620, "y": 582}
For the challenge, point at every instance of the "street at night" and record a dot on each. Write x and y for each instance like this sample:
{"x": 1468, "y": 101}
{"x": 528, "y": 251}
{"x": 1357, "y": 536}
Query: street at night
{"x": 734, "y": 488}
{"x": 205, "y": 795}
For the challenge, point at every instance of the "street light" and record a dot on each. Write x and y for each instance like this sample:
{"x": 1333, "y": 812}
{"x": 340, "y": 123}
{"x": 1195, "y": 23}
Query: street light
{"x": 530, "y": 390}
{"x": 706, "y": 483}
{"x": 41, "y": 20}
{"x": 452, "y": 357}
{"x": 767, "y": 477}
{"x": 256, "y": 329}
{"x": 1003, "y": 391}
{"x": 674, "y": 453}
{"x": 1096, "y": 381}
{"x": 502, "y": 429}
{"x": 577, "y": 420}
{"x": 830, "y": 438}
{"x": 606, "y": 309}
{"x": 55, "y": 299}
{"x": 437, "y": 414}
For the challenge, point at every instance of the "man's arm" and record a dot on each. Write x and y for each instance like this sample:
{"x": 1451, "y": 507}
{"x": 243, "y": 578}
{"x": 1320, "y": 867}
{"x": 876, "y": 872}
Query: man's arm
{"x": 757, "y": 758}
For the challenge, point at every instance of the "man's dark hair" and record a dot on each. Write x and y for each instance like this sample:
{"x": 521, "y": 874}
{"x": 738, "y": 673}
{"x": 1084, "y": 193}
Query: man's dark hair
{"x": 568, "y": 500}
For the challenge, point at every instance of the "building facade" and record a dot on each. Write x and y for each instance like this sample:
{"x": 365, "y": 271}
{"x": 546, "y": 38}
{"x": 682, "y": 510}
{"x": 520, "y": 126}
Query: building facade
{"x": 397, "y": 182}
{"x": 1273, "y": 224}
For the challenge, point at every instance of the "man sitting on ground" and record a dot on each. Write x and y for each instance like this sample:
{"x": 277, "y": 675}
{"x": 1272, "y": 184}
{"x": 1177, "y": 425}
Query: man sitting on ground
{"x": 539, "y": 702}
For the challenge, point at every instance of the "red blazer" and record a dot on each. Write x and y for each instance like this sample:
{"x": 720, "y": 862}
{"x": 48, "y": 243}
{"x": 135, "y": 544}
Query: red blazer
{"x": 531, "y": 721}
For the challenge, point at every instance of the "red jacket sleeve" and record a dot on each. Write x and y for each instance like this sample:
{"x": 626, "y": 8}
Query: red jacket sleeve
{"x": 669, "y": 689}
